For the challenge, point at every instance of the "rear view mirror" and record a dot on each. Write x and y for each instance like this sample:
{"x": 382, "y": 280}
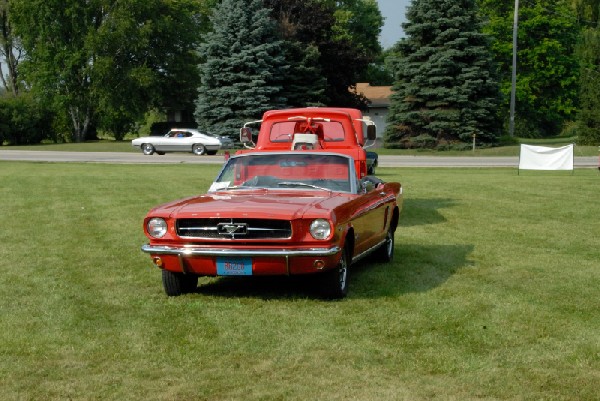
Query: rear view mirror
{"x": 371, "y": 132}
{"x": 245, "y": 135}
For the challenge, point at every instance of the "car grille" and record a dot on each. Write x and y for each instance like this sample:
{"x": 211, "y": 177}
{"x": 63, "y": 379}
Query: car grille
{"x": 213, "y": 228}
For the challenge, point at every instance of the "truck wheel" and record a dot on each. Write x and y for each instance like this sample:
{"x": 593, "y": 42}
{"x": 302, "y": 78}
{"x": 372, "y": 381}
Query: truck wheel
{"x": 334, "y": 283}
{"x": 198, "y": 149}
{"x": 385, "y": 253}
{"x": 147, "y": 149}
{"x": 176, "y": 284}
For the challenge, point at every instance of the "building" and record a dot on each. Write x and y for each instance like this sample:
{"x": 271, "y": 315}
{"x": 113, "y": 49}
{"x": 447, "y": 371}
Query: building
{"x": 379, "y": 103}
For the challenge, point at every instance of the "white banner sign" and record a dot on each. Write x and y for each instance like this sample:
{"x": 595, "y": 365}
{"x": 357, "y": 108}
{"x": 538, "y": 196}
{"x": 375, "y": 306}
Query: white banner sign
{"x": 543, "y": 158}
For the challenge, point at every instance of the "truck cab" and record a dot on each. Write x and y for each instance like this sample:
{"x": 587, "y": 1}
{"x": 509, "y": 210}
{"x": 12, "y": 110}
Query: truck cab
{"x": 315, "y": 129}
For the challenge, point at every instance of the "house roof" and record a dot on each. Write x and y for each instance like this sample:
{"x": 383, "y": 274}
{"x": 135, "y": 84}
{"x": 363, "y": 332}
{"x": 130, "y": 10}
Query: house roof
{"x": 379, "y": 96}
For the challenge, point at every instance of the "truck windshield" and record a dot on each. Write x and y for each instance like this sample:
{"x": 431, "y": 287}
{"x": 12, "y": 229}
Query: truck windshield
{"x": 283, "y": 131}
{"x": 298, "y": 171}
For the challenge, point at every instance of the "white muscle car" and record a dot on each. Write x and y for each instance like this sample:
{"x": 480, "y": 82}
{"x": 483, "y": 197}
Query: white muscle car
{"x": 179, "y": 140}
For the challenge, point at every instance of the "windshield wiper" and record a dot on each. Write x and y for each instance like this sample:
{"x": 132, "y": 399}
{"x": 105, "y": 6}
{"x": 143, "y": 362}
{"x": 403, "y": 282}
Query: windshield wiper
{"x": 301, "y": 184}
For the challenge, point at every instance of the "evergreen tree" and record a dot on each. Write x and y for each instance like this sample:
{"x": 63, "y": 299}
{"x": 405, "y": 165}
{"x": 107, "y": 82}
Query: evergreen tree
{"x": 243, "y": 68}
{"x": 445, "y": 88}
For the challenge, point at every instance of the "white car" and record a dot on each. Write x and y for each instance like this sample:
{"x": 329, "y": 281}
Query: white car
{"x": 179, "y": 140}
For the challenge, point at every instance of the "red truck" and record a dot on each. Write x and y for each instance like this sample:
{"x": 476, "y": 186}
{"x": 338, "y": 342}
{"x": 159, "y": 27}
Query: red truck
{"x": 297, "y": 200}
{"x": 336, "y": 129}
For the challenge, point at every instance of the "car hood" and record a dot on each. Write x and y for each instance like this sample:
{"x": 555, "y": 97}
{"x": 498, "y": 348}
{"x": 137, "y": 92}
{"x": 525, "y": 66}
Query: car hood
{"x": 260, "y": 203}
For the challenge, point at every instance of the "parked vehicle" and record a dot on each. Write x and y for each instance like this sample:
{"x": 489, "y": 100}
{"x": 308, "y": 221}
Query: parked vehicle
{"x": 296, "y": 202}
{"x": 179, "y": 140}
{"x": 372, "y": 162}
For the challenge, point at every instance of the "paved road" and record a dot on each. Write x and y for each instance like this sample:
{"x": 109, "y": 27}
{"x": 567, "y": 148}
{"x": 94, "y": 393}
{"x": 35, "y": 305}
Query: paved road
{"x": 174, "y": 158}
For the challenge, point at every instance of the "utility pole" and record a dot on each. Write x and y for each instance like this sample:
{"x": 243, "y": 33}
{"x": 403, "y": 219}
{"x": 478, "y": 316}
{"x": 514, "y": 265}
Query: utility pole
{"x": 511, "y": 124}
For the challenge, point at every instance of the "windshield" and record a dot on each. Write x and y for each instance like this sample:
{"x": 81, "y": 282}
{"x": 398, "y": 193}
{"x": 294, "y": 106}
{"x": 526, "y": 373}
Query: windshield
{"x": 286, "y": 171}
{"x": 329, "y": 131}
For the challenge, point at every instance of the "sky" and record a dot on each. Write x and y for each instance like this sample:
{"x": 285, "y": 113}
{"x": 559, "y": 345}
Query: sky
{"x": 393, "y": 11}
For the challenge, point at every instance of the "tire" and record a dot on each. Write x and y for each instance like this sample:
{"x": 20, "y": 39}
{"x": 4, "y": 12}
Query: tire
{"x": 198, "y": 149}
{"x": 147, "y": 149}
{"x": 385, "y": 253}
{"x": 334, "y": 283}
{"x": 176, "y": 284}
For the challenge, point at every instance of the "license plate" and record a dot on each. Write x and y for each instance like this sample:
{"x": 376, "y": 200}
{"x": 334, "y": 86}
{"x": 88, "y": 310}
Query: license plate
{"x": 234, "y": 266}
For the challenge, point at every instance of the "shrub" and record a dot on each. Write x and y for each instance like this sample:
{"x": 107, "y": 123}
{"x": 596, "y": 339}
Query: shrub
{"x": 23, "y": 121}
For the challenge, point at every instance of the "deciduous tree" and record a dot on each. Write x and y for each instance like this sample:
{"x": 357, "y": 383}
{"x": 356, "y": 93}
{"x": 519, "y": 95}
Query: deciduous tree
{"x": 547, "y": 66}
{"x": 104, "y": 62}
{"x": 10, "y": 51}
{"x": 588, "y": 118}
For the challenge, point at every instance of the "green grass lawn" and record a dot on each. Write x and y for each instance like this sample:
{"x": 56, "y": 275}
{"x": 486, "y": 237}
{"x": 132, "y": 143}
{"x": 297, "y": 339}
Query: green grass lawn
{"x": 493, "y": 295}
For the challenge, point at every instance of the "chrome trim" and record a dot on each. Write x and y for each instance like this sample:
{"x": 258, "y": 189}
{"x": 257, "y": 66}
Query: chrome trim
{"x": 193, "y": 251}
{"x": 368, "y": 252}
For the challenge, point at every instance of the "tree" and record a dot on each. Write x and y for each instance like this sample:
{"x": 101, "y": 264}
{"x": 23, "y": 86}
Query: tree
{"x": 243, "y": 67}
{"x": 104, "y": 62}
{"x": 547, "y": 67}
{"x": 588, "y": 117}
{"x": 321, "y": 36}
{"x": 445, "y": 88}
{"x": 302, "y": 26}
{"x": 354, "y": 44}
{"x": 159, "y": 70}
{"x": 10, "y": 51}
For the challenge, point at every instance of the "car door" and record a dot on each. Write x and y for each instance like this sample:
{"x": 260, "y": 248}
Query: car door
{"x": 176, "y": 142}
{"x": 163, "y": 143}
{"x": 371, "y": 218}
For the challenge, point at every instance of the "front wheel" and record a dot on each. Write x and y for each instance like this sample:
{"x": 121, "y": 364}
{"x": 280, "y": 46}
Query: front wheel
{"x": 198, "y": 149}
{"x": 147, "y": 149}
{"x": 334, "y": 283}
{"x": 176, "y": 284}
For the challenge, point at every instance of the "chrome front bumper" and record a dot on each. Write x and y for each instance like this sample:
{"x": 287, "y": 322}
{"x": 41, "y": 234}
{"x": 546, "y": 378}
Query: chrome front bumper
{"x": 194, "y": 251}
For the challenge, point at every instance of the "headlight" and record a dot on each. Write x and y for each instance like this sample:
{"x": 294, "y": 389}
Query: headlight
{"x": 157, "y": 227}
{"x": 320, "y": 229}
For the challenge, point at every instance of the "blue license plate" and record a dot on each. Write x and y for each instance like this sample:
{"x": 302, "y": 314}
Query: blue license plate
{"x": 234, "y": 266}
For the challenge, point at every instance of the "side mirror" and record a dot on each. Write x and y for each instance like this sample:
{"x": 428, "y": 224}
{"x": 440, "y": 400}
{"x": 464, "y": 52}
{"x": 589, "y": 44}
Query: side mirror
{"x": 371, "y": 132}
{"x": 367, "y": 185}
{"x": 245, "y": 135}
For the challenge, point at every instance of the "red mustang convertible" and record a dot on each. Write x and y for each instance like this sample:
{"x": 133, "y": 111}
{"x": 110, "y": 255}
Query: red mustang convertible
{"x": 278, "y": 212}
